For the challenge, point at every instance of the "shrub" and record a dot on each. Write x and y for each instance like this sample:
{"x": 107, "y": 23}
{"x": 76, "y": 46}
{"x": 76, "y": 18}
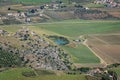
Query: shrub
{"x": 28, "y": 74}
{"x": 44, "y": 72}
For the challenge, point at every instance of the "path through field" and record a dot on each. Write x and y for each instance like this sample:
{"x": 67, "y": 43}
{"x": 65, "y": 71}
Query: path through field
{"x": 101, "y": 60}
{"x": 106, "y": 47}
{"x": 74, "y": 22}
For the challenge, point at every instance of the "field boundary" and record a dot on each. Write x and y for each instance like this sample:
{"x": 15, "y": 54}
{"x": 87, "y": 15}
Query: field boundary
{"x": 101, "y": 60}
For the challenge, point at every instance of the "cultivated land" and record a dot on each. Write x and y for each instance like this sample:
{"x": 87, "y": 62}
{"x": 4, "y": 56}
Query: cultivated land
{"x": 106, "y": 46}
{"x": 75, "y": 28}
{"x": 79, "y": 54}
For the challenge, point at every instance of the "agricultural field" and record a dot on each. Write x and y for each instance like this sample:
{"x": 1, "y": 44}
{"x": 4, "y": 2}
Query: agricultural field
{"x": 16, "y": 74}
{"x": 75, "y": 28}
{"x": 81, "y": 54}
{"x": 107, "y": 46}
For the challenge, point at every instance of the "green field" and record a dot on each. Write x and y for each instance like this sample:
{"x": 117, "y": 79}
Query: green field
{"x": 77, "y": 28}
{"x": 15, "y": 74}
{"x": 81, "y": 54}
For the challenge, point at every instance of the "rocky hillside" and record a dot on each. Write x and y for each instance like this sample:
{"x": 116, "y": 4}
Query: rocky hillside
{"x": 34, "y": 51}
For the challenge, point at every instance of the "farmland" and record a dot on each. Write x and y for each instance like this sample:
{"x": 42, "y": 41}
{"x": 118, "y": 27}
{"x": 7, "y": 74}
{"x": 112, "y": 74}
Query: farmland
{"x": 106, "y": 46}
{"x": 76, "y": 28}
{"x": 80, "y": 53}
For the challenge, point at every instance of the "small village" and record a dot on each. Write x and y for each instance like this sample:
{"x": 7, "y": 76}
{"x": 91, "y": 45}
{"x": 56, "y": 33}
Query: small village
{"x": 108, "y": 3}
{"x": 55, "y": 10}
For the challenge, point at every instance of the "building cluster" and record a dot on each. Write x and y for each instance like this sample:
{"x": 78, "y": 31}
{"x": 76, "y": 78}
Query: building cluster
{"x": 102, "y": 74}
{"x": 108, "y": 3}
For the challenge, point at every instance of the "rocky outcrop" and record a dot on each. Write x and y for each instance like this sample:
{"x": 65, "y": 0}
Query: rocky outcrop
{"x": 36, "y": 52}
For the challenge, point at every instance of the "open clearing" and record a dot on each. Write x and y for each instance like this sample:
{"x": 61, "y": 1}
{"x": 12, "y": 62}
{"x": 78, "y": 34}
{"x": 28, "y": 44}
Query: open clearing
{"x": 106, "y": 46}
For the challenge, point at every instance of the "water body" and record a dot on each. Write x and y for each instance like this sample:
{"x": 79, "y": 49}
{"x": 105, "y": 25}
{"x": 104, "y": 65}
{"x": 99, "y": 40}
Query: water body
{"x": 61, "y": 41}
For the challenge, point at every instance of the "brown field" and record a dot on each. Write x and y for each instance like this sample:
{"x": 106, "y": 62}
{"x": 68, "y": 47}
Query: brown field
{"x": 107, "y": 47}
{"x": 115, "y": 12}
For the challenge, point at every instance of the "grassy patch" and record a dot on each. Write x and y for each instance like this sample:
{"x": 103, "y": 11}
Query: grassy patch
{"x": 13, "y": 74}
{"x": 81, "y": 54}
{"x": 10, "y": 28}
{"x": 16, "y": 74}
{"x": 92, "y": 5}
